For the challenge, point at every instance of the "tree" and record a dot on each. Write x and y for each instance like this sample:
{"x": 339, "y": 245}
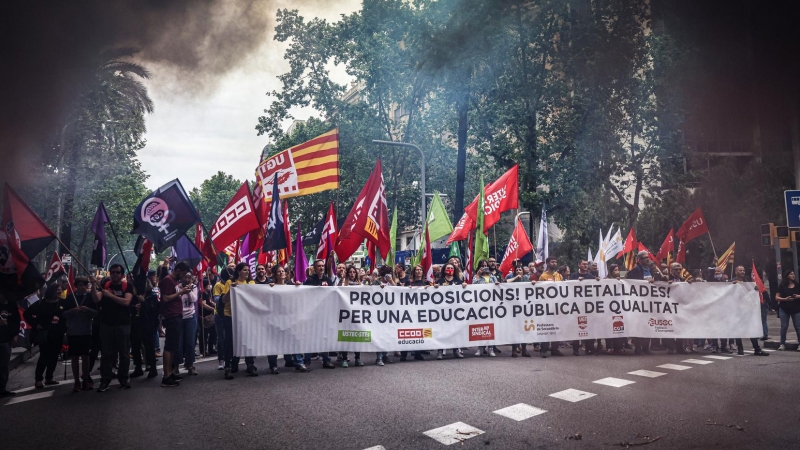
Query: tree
{"x": 212, "y": 196}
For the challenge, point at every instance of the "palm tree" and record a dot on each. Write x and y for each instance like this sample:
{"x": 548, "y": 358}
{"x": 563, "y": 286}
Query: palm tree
{"x": 104, "y": 127}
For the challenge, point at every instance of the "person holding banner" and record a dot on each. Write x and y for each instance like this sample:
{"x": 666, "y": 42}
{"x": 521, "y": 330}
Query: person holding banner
{"x": 615, "y": 346}
{"x": 449, "y": 278}
{"x": 219, "y": 313}
{"x": 582, "y": 274}
{"x": 645, "y": 270}
{"x": 740, "y": 277}
{"x": 279, "y": 277}
{"x": 484, "y": 276}
{"x": 551, "y": 274}
{"x": 318, "y": 278}
{"x": 241, "y": 275}
{"x": 350, "y": 279}
{"x": 188, "y": 325}
{"x": 79, "y": 315}
{"x": 677, "y": 345}
{"x": 519, "y": 277}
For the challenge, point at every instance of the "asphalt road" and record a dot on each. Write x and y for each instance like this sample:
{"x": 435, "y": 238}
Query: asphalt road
{"x": 740, "y": 402}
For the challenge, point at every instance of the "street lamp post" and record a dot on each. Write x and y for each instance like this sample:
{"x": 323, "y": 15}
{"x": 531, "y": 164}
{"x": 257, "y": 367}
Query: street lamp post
{"x": 423, "y": 214}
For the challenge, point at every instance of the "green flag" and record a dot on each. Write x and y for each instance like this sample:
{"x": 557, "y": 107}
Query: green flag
{"x": 393, "y": 237}
{"x": 481, "y": 240}
{"x": 455, "y": 250}
{"x": 438, "y": 222}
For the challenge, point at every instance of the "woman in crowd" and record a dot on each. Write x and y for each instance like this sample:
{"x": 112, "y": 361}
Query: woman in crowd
{"x": 565, "y": 272}
{"x": 280, "y": 278}
{"x": 209, "y": 333}
{"x": 351, "y": 278}
{"x": 189, "y": 325}
{"x": 416, "y": 279}
{"x": 46, "y": 318}
{"x": 519, "y": 277}
{"x": 450, "y": 278}
{"x": 219, "y": 314}
{"x": 789, "y": 305}
{"x": 241, "y": 275}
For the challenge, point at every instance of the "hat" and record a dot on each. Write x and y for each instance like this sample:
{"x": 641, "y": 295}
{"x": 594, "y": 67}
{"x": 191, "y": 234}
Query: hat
{"x": 538, "y": 263}
{"x": 151, "y": 273}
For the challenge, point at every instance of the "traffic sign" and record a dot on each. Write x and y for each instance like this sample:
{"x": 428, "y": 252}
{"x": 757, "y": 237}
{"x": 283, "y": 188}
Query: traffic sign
{"x": 792, "y": 199}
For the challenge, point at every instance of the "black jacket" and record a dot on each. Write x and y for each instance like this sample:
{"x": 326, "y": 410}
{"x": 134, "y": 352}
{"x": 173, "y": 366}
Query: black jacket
{"x": 637, "y": 274}
{"x": 314, "y": 280}
{"x": 10, "y": 312}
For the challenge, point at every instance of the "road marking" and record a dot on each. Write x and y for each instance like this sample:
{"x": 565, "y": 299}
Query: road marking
{"x": 674, "y": 367}
{"x": 377, "y": 447}
{"x": 520, "y": 411}
{"x": 25, "y": 398}
{"x": 769, "y": 350}
{"x": 646, "y": 373}
{"x": 613, "y": 382}
{"x": 572, "y": 395}
{"x": 697, "y": 361}
{"x": 722, "y": 358}
{"x": 453, "y": 433}
{"x": 27, "y": 389}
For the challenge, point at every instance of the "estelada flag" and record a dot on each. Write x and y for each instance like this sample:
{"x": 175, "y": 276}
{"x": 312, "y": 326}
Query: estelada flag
{"x": 500, "y": 196}
{"x": 518, "y": 246}
{"x": 368, "y": 219}
{"x": 55, "y": 270}
{"x": 236, "y": 219}
{"x": 22, "y": 236}
{"x": 667, "y": 247}
{"x": 304, "y": 169}
{"x": 461, "y": 230}
{"x": 694, "y": 226}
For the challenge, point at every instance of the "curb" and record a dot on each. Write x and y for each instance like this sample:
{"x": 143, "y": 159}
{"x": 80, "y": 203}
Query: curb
{"x": 790, "y": 345}
{"x": 21, "y": 357}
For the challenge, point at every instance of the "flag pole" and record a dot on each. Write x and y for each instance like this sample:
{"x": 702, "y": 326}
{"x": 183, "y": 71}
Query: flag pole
{"x": 712, "y": 246}
{"x": 73, "y": 256}
{"x": 121, "y": 251}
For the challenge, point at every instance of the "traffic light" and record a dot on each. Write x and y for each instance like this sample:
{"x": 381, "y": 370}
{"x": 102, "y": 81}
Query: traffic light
{"x": 766, "y": 234}
{"x": 770, "y": 232}
{"x": 795, "y": 236}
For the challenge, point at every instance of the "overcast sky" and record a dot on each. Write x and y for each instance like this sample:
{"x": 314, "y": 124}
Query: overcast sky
{"x": 191, "y": 136}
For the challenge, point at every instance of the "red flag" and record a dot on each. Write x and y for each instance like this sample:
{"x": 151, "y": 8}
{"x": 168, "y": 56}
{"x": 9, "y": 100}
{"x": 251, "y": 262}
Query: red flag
{"x": 759, "y": 283}
{"x": 55, "y": 270}
{"x": 368, "y": 219}
{"x": 681, "y": 254}
{"x": 468, "y": 262}
{"x": 286, "y": 229}
{"x": 237, "y": 219}
{"x": 694, "y": 226}
{"x": 500, "y": 196}
{"x": 631, "y": 244}
{"x": 518, "y": 246}
{"x": 71, "y": 280}
{"x": 24, "y": 234}
{"x": 461, "y": 231}
{"x": 667, "y": 247}
{"x": 427, "y": 258}
{"x": 262, "y": 214}
{"x": 328, "y": 236}
{"x": 371, "y": 255}
{"x": 200, "y": 243}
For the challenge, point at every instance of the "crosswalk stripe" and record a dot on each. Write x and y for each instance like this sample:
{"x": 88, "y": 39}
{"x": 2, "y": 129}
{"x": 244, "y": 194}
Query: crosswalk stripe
{"x": 674, "y": 367}
{"x": 520, "y": 411}
{"x": 613, "y": 382}
{"x": 647, "y": 373}
{"x": 25, "y": 398}
{"x": 572, "y": 395}
{"x": 377, "y": 447}
{"x": 453, "y": 433}
{"x": 722, "y": 358}
{"x": 701, "y": 362}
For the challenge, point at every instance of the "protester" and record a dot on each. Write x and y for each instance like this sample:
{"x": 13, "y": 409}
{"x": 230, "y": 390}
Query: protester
{"x": 188, "y": 325}
{"x": 149, "y": 311}
{"x": 519, "y": 277}
{"x": 677, "y": 345}
{"x": 261, "y": 275}
{"x": 350, "y": 279}
{"x": 219, "y": 314}
{"x": 279, "y": 278}
{"x": 582, "y": 274}
{"x": 172, "y": 319}
{"x": 241, "y": 275}
{"x": 9, "y": 335}
{"x": 400, "y": 276}
{"x": 113, "y": 298}
{"x": 46, "y": 318}
{"x": 208, "y": 336}
{"x": 645, "y": 270}
{"x": 79, "y": 312}
{"x": 740, "y": 277}
{"x": 484, "y": 276}
{"x": 494, "y": 270}
{"x": 551, "y": 274}
{"x": 449, "y": 278}
{"x": 318, "y": 278}
{"x": 788, "y": 305}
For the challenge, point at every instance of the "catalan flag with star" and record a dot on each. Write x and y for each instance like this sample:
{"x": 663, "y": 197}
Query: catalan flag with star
{"x": 307, "y": 168}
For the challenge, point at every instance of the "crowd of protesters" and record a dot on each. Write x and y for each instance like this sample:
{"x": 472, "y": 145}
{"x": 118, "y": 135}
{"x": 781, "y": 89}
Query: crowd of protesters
{"x": 108, "y": 318}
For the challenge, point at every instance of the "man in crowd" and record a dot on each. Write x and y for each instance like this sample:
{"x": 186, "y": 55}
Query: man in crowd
{"x": 400, "y": 273}
{"x": 172, "y": 320}
{"x": 261, "y": 275}
{"x": 113, "y": 298}
{"x": 645, "y": 270}
{"x": 318, "y": 278}
{"x": 740, "y": 277}
{"x": 9, "y": 334}
{"x": 494, "y": 271}
{"x": 551, "y": 274}
{"x": 583, "y": 274}
{"x": 676, "y": 276}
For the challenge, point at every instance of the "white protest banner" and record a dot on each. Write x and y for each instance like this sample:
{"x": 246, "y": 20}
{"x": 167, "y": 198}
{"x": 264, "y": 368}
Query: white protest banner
{"x": 300, "y": 319}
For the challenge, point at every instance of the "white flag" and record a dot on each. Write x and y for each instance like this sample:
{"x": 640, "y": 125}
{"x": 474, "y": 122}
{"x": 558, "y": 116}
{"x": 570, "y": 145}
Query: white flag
{"x": 542, "y": 250}
{"x": 614, "y": 245}
{"x": 589, "y": 257}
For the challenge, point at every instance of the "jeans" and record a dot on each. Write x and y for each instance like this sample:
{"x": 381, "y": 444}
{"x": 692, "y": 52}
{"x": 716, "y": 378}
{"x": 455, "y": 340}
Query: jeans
{"x": 232, "y": 361}
{"x": 186, "y": 346}
{"x": 785, "y": 324}
{"x": 116, "y": 340}
{"x": 219, "y": 324}
{"x": 764, "y": 311}
{"x": 5, "y": 360}
{"x": 48, "y": 359}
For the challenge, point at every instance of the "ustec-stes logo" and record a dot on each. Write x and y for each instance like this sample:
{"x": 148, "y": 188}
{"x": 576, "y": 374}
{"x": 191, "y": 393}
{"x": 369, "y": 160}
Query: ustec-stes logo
{"x": 481, "y": 332}
{"x": 414, "y": 335}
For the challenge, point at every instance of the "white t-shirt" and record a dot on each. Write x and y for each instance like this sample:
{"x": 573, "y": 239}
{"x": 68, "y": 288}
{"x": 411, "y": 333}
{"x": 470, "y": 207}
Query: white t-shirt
{"x": 189, "y": 302}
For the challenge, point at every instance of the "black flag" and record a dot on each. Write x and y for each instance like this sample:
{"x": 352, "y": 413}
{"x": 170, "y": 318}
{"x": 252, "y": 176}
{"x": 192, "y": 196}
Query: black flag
{"x": 164, "y": 216}
{"x": 276, "y": 238}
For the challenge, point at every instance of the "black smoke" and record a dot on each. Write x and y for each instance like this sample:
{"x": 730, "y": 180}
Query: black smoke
{"x": 47, "y": 49}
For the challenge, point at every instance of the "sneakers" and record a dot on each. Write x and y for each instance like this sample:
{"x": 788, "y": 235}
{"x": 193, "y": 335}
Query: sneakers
{"x": 137, "y": 372}
{"x": 328, "y": 365}
{"x": 228, "y": 374}
{"x": 191, "y": 371}
{"x": 542, "y": 353}
{"x": 103, "y": 387}
{"x": 124, "y": 386}
{"x": 169, "y": 382}
{"x": 459, "y": 353}
{"x": 491, "y": 353}
{"x": 514, "y": 355}
{"x": 221, "y": 365}
{"x": 526, "y": 354}
{"x": 782, "y": 347}
{"x": 344, "y": 364}
{"x": 439, "y": 355}
{"x": 50, "y": 382}
{"x": 359, "y": 363}
{"x": 760, "y": 353}
{"x": 274, "y": 371}
{"x": 301, "y": 368}
{"x": 176, "y": 376}
{"x": 252, "y": 371}
{"x": 478, "y": 353}
{"x": 387, "y": 360}
{"x": 152, "y": 373}
{"x": 379, "y": 362}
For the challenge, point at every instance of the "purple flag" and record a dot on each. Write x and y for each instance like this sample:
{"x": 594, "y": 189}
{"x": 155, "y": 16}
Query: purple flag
{"x": 99, "y": 230}
{"x": 300, "y": 260}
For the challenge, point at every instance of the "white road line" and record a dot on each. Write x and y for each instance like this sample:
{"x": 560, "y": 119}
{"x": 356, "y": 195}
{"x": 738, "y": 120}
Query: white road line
{"x": 613, "y": 382}
{"x": 647, "y": 373}
{"x": 674, "y": 367}
{"x": 701, "y": 362}
{"x": 572, "y": 395}
{"x": 25, "y": 398}
{"x": 768, "y": 350}
{"x": 453, "y": 433}
{"x": 27, "y": 389}
{"x": 721, "y": 358}
{"x": 377, "y": 447}
{"x": 520, "y": 411}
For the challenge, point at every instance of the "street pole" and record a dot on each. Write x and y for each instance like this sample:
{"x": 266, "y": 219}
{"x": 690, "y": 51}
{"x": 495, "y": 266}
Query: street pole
{"x": 422, "y": 214}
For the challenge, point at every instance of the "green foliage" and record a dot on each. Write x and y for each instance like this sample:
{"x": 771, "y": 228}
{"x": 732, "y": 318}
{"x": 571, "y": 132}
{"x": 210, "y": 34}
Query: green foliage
{"x": 212, "y": 196}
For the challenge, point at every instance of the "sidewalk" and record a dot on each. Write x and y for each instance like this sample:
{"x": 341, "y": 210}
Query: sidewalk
{"x": 19, "y": 355}
{"x": 774, "y": 328}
